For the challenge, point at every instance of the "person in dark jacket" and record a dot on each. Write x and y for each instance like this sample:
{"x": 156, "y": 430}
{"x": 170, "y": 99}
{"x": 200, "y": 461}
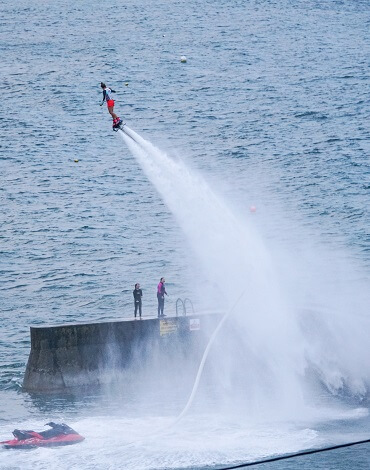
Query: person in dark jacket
{"x": 138, "y": 293}
{"x": 161, "y": 291}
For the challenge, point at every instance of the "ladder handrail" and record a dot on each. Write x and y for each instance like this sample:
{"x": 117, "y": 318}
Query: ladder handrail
{"x": 183, "y": 303}
{"x": 191, "y": 303}
{"x": 183, "y": 307}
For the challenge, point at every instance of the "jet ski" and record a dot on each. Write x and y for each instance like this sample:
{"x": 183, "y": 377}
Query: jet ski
{"x": 58, "y": 435}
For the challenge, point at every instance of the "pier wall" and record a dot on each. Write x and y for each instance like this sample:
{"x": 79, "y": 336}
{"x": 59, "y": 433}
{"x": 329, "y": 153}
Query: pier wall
{"x": 80, "y": 355}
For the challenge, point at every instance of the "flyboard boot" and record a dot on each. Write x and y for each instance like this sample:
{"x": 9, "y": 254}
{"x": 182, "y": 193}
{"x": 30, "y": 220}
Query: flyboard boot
{"x": 118, "y": 124}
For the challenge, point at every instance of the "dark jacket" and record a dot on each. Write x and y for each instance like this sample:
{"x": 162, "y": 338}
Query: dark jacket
{"x": 138, "y": 293}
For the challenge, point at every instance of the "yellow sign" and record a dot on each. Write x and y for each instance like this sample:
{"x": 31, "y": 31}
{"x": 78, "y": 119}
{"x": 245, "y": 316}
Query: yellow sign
{"x": 167, "y": 326}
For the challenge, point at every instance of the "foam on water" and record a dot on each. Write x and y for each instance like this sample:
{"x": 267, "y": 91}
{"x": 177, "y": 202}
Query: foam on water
{"x": 134, "y": 443}
{"x": 121, "y": 442}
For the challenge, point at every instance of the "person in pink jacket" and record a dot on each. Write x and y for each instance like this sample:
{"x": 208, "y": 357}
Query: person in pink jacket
{"x": 161, "y": 291}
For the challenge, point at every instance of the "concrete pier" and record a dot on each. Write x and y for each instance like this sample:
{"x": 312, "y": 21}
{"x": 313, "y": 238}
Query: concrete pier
{"x": 78, "y": 355}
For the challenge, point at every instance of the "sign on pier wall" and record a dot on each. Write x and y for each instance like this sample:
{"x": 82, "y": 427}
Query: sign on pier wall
{"x": 167, "y": 326}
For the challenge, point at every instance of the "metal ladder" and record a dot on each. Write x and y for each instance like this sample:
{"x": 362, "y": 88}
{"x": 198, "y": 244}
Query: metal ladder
{"x": 183, "y": 304}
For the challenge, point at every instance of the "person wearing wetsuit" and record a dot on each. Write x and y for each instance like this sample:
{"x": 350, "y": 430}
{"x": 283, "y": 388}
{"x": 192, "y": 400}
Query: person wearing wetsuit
{"x": 108, "y": 98}
{"x": 138, "y": 293}
{"x": 161, "y": 291}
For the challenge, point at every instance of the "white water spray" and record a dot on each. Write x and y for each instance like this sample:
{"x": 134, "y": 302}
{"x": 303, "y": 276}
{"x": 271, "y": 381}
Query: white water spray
{"x": 233, "y": 258}
{"x": 272, "y": 337}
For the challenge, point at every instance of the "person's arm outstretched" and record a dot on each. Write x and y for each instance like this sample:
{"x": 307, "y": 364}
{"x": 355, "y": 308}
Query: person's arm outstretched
{"x": 104, "y": 95}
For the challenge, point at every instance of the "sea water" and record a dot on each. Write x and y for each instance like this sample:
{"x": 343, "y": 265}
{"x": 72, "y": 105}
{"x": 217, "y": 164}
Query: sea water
{"x": 270, "y": 110}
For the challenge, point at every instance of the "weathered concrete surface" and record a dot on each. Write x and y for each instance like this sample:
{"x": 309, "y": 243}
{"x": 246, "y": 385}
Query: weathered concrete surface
{"x": 79, "y": 355}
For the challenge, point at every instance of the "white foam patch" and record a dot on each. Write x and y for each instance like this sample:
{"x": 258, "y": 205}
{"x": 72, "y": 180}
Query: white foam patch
{"x": 138, "y": 444}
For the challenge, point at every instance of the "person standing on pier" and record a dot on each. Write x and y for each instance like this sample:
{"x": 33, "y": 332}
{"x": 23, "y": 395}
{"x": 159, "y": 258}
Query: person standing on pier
{"x": 138, "y": 293}
{"x": 161, "y": 291}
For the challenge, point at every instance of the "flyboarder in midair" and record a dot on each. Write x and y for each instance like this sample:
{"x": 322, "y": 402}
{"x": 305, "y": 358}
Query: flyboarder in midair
{"x": 107, "y": 96}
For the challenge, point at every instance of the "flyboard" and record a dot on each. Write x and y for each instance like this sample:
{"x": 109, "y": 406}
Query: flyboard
{"x": 121, "y": 126}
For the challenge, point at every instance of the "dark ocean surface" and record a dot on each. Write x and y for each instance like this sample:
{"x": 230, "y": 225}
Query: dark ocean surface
{"x": 271, "y": 107}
